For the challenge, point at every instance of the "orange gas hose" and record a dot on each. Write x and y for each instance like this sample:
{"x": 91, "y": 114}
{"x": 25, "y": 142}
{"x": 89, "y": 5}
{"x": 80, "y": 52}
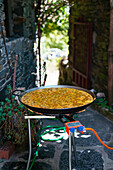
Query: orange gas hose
{"x": 98, "y": 138}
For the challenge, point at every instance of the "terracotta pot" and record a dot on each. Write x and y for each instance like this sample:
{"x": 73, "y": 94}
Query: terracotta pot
{"x": 6, "y": 150}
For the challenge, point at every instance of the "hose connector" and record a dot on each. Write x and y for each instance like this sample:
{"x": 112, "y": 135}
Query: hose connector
{"x": 72, "y": 129}
{"x": 80, "y": 129}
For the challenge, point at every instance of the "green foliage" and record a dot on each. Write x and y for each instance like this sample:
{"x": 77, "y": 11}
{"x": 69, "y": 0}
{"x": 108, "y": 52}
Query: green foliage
{"x": 103, "y": 103}
{"x": 60, "y": 23}
{"x": 55, "y": 40}
{"x": 52, "y": 15}
{"x": 12, "y": 122}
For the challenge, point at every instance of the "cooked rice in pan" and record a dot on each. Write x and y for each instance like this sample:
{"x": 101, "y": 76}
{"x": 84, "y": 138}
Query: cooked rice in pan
{"x": 57, "y": 98}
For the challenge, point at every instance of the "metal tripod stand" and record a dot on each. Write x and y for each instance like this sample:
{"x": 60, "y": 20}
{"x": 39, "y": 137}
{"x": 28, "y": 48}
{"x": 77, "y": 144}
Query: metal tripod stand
{"x": 71, "y": 136}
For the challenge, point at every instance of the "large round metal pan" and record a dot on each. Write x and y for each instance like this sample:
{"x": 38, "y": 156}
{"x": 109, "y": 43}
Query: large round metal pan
{"x": 57, "y": 111}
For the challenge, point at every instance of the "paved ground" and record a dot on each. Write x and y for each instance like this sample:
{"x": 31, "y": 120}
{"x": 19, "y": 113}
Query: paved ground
{"x": 91, "y": 155}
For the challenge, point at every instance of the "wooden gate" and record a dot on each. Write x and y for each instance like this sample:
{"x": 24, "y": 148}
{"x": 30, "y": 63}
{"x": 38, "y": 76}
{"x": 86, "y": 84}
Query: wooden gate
{"x": 82, "y": 54}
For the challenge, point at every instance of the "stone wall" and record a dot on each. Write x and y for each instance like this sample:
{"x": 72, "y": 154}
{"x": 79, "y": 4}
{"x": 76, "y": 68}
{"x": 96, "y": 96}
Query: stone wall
{"x": 98, "y": 13}
{"x": 19, "y": 37}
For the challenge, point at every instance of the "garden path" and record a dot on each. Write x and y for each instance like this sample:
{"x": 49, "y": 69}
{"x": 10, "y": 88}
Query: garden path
{"x": 52, "y": 73}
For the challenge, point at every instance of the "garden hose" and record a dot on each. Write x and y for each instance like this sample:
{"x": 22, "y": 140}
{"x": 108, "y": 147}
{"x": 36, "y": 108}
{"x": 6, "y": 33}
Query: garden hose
{"x": 36, "y": 153}
{"x": 99, "y": 138}
{"x": 71, "y": 126}
{"x": 54, "y": 128}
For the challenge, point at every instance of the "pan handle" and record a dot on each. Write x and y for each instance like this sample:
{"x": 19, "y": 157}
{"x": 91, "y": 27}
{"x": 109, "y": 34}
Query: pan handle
{"x": 18, "y": 92}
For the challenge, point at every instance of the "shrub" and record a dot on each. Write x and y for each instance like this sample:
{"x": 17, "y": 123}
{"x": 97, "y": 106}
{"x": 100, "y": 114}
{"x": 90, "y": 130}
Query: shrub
{"x": 13, "y": 126}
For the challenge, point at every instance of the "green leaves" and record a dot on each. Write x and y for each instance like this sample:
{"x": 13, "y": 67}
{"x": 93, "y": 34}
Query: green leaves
{"x": 18, "y": 113}
{"x": 2, "y": 119}
{"x": 10, "y": 114}
{"x": 1, "y": 109}
{"x": 9, "y": 87}
{"x": 13, "y": 96}
{"x": 2, "y": 116}
{"x": 7, "y": 100}
{"x": 21, "y": 106}
{"x": 9, "y": 137}
{"x": 8, "y": 90}
{"x": 50, "y": 13}
{"x": 15, "y": 110}
{"x": 12, "y": 122}
{"x": 2, "y": 103}
{"x": 7, "y": 107}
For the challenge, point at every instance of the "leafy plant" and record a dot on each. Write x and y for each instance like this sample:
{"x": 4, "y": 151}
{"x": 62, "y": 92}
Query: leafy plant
{"x": 12, "y": 123}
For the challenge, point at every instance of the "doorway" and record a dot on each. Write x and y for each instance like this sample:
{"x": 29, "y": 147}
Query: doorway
{"x": 82, "y": 54}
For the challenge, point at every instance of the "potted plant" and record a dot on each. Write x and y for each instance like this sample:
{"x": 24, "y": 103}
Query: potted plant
{"x": 13, "y": 126}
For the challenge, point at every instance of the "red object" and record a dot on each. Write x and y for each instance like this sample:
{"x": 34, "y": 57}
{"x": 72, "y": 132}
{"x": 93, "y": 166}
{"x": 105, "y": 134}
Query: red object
{"x": 6, "y": 150}
{"x": 74, "y": 124}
